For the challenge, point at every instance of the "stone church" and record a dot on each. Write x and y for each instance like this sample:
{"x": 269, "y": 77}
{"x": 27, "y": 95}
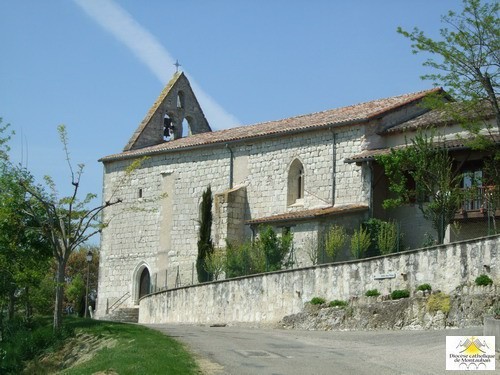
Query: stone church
{"x": 301, "y": 174}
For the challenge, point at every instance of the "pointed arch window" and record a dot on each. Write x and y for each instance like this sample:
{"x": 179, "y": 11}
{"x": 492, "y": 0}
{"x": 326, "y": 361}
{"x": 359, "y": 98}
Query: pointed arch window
{"x": 296, "y": 182}
{"x": 180, "y": 99}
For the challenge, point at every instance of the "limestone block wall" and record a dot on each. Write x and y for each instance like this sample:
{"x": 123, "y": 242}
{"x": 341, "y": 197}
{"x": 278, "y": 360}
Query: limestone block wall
{"x": 267, "y": 298}
{"x": 229, "y": 216}
{"x": 350, "y": 186}
{"x": 133, "y": 237}
{"x": 269, "y": 163}
{"x": 321, "y": 153}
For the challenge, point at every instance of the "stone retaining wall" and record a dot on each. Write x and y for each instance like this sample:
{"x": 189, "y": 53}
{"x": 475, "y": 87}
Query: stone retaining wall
{"x": 267, "y": 298}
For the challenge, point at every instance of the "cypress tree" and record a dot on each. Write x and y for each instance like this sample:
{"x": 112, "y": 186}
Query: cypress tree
{"x": 205, "y": 246}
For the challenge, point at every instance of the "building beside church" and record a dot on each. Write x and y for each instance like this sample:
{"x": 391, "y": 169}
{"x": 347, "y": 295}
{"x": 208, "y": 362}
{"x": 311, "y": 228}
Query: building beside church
{"x": 301, "y": 174}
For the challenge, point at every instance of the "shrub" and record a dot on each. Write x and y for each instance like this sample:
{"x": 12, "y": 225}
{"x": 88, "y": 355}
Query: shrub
{"x": 23, "y": 340}
{"x": 317, "y": 301}
{"x": 238, "y": 261}
{"x": 337, "y": 303}
{"x": 334, "y": 240}
{"x": 439, "y": 302}
{"x": 372, "y": 293}
{"x": 428, "y": 240}
{"x": 214, "y": 263}
{"x": 424, "y": 287}
{"x": 274, "y": 248}
{"x": 483, "y": 280}
{"x": 373, "y": 227}
{"x": 360, "y": 242}
{"x": 312, "y": 249}
{"x": 400, "y": 293}
{"x": 387, "y": 238}
{"x": 268, "y": 253}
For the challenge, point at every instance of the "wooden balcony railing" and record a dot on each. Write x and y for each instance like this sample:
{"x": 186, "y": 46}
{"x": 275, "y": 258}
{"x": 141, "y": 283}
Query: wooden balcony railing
{"x": 480, "y": 201}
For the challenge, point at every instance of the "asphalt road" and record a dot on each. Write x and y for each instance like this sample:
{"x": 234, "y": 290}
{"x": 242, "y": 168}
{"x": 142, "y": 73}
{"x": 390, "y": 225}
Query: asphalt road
{"x": 250, "y": 351}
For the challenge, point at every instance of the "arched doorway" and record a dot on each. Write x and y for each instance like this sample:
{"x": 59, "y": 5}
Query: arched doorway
{"x": 144, "y": 283}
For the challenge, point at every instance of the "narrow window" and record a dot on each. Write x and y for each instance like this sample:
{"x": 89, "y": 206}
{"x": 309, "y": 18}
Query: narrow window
{"x": 139, "y": 193}
{"x": 180, "y": 99}
{"x": 168, "y": 128}
{"x": 185, "y": 128}
{"x": 300, "y": 184}
{"x": 296, "y": 182}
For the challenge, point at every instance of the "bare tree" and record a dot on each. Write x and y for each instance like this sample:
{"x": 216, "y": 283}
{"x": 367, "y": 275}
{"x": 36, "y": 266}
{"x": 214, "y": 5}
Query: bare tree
{"x": 67, "y": 222}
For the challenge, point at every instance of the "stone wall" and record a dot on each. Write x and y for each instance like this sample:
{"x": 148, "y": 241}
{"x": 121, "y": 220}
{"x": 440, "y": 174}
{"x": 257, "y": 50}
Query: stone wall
{"x": 267, "y": 298}
{"x": 464, "y": 307}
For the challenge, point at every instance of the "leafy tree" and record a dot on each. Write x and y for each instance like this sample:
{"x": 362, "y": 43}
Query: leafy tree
{"x": 434, "y": 176}
{"x": 466, "y": 58}
{"x": 467, "y": 62}
{"x": 75, "y": 293}
{"x": 205, "y": 246}
{"x": 66, "y": 222}
{"x": 24, "y": 254}
{"x": 5, "y": 136}
{"x": 76, "y": 278}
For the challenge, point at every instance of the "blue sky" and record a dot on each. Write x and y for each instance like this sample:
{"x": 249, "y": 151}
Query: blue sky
{"x": 98, "y": 65}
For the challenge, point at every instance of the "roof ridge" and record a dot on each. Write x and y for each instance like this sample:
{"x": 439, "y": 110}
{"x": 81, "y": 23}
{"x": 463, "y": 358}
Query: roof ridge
{"x": 420, "y": 93}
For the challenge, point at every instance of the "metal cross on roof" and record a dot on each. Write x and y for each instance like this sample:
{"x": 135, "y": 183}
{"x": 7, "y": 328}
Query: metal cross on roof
{"x": 177, "y": 65}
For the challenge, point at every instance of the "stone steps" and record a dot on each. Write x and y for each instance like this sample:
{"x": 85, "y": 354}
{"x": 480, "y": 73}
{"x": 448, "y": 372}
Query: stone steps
{"x": 124, "y": 315}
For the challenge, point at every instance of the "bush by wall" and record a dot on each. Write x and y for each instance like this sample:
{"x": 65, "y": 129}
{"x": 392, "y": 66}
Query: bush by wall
{"x": 317, "y": 301}
{"x": 400, "y": 293}
{"x": 424, "y": 287}
{"x": 337, "y": 303}
{"x": 372, "y": 293}
{"x": 483, "y": 280}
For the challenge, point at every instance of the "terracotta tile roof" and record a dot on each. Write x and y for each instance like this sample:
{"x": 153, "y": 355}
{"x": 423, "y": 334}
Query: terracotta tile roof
{"x": 351, "y": 115}
{"x": 441, "y": 118}
{"x": 451, "y": 144}
{"x": 308, "y": 214}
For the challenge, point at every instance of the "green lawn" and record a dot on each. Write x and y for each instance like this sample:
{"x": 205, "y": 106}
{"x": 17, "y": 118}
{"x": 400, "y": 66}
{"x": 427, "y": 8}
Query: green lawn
{"x": 132, "y": 349}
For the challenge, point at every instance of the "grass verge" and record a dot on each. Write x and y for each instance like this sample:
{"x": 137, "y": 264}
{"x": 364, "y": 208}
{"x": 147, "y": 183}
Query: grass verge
{"x": 116, "y": 348}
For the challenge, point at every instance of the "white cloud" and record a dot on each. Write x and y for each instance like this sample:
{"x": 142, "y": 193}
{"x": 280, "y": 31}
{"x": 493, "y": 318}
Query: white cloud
{"x": 149, "y": 51}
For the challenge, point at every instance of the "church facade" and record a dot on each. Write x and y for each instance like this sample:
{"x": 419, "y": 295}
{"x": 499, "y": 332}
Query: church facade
{"x": 301, "y": 174}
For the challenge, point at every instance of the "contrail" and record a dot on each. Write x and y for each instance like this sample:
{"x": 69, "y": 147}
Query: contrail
{"x": 149, "y": 51}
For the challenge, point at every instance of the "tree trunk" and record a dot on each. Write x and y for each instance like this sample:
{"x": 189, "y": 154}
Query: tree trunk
{"x": 58, "y": 307}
